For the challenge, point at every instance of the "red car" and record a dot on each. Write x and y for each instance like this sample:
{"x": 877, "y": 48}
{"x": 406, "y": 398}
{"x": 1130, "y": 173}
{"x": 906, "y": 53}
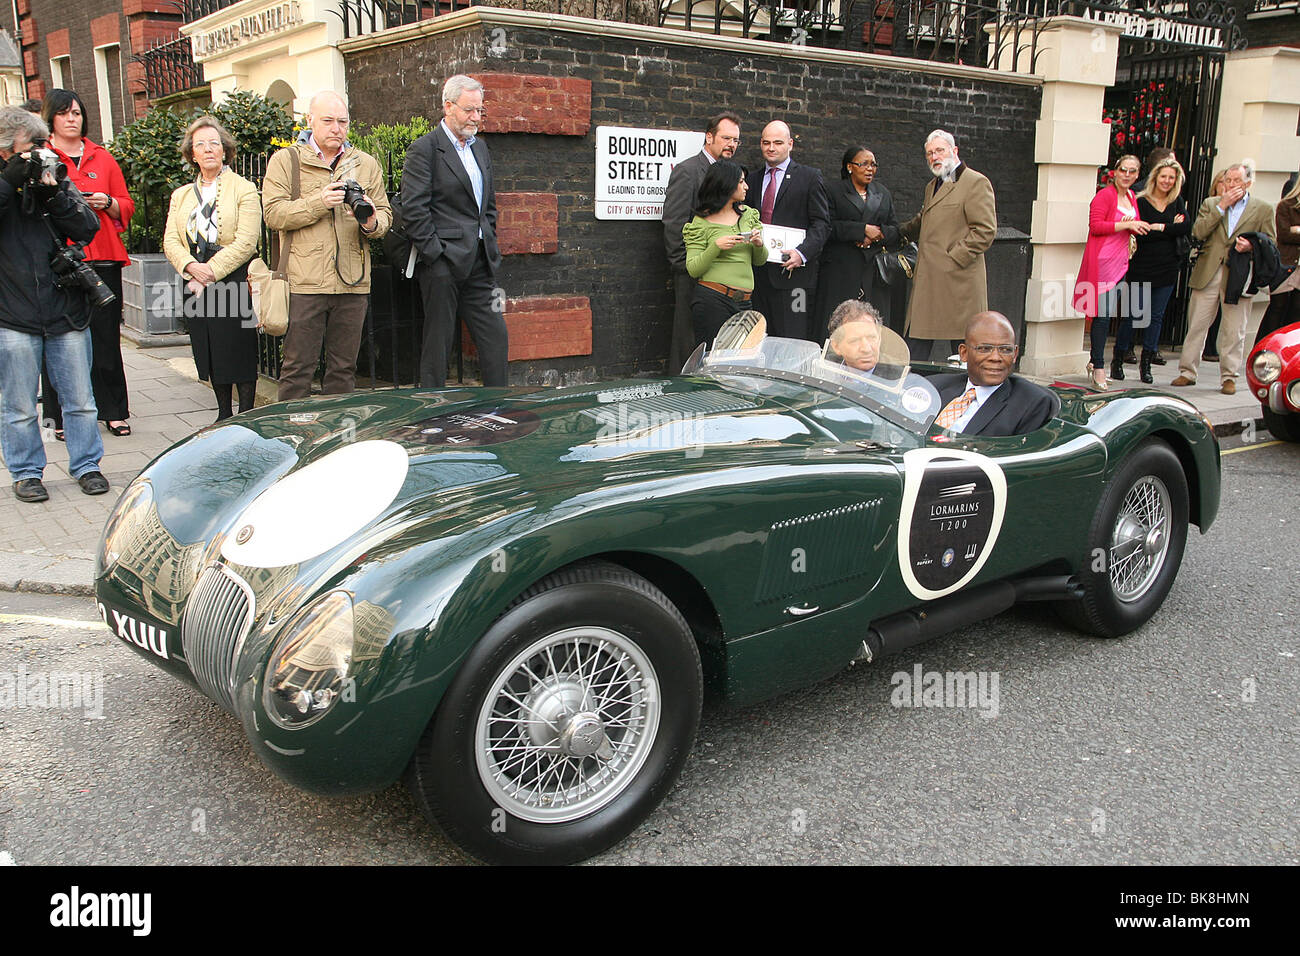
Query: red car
{"x": 1274, "y": 375}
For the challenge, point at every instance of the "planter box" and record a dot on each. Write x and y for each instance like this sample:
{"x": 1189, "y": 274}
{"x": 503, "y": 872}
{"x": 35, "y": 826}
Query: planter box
{"x": 151, "y": 295}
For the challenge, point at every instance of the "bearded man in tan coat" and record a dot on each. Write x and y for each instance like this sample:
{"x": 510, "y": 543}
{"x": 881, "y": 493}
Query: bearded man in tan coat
{"x": 953, "y": 230}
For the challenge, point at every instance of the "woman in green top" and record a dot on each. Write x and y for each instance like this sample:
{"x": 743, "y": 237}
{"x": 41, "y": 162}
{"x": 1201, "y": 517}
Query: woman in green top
{"x": 723, "y": 244}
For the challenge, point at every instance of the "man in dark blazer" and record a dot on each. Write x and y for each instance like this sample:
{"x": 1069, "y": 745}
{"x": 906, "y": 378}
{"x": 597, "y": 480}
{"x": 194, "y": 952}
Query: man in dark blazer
{"x": 788, "y": 194}
{"x": 988, "y": 399}
{"x": 449, "y": 211}
{"x": 721, "y": 138}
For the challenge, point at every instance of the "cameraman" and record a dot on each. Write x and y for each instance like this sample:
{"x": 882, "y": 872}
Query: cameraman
{"x": 40, "y": 316}
{"x": 329, "y": 257}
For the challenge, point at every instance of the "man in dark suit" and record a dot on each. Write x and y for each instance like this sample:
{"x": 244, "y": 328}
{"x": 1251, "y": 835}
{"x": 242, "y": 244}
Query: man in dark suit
{"x": 449, "y": 211}
{"x": 988, "y": 399}
{"x": 721, "y": 138}
{"x": 789, "y": 194}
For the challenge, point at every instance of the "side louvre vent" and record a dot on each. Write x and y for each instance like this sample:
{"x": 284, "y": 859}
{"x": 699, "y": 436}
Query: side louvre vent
{"x": 807, "y": 553}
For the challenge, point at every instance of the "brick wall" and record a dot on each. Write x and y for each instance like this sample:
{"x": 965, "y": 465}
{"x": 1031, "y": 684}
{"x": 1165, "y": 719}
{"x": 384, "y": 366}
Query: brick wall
{"x": 83, "y": 25}
{"x": 619, "y": 267}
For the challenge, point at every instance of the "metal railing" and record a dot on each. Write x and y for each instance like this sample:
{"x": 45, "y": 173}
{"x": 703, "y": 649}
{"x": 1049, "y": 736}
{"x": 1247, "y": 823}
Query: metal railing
{"x": 169, "y": 67}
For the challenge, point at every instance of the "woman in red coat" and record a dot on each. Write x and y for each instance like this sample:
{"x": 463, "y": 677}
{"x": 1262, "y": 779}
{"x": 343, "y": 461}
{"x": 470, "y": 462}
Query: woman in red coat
{"x": 1112, "y": 224}
{"x": 93, "y": 171}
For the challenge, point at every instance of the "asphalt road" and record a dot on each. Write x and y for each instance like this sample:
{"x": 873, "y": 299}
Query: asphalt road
{"x": 1178, "y": 744}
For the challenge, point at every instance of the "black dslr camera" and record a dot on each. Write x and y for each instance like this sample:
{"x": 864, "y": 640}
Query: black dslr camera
{"x": 355, "y": 197}
{"x": 71, "y": 272}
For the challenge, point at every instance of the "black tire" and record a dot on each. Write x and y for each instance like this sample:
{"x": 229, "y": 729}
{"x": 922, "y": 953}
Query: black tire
{"x": 630, "y": 664}
{"x": 1282, "y": 425}
{"x": 1132, "y": 560}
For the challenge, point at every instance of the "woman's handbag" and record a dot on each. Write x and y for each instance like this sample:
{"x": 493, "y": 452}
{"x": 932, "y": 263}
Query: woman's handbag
{"x": 897, "y": 267}
{"x": 270, "y": 297}
{"x": 271, "y": 289}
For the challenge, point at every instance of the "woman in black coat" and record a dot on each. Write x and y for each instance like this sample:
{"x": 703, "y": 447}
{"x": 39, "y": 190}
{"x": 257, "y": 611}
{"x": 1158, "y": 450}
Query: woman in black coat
{"x": 862, "y": 225}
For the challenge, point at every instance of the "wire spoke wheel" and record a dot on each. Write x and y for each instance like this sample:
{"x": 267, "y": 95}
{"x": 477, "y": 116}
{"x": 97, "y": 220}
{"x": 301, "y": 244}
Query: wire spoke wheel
{"x": 567, "y": 724}
{"x": 1140, "y": 539}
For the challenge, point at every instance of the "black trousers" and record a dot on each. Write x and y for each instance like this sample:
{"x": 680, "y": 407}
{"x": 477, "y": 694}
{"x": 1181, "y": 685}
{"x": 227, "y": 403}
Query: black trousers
{"x": 475, "y": 301}
{"x": 789, "y": 312}
{"x": 709, "y": 310}
{"x": 107, "y": 376}
{"x": 1283, "y": 309}
{"x": 683, "y": 341}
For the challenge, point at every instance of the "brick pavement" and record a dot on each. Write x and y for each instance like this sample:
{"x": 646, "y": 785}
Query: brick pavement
{"x": 50, "y": 547}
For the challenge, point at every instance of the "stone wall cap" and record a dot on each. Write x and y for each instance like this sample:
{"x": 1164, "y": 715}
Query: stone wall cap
{"x": 1265, "y": 51}
{"x": 499, "y": 16}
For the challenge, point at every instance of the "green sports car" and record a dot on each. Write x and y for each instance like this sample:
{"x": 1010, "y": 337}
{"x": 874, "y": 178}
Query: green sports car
{"x": 517, "y": 597}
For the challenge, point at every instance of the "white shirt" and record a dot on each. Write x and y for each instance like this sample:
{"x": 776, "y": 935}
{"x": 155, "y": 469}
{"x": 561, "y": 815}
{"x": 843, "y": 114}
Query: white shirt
{"x": 1234, "y": 212}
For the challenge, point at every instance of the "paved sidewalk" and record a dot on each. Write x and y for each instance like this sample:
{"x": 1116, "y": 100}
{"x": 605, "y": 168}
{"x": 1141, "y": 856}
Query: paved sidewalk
{"x": 50, "y": 547}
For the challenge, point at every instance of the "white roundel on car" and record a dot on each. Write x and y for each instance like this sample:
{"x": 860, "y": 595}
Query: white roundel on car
{"x": 953, "y": 505}
{"x": 317, "y": 507}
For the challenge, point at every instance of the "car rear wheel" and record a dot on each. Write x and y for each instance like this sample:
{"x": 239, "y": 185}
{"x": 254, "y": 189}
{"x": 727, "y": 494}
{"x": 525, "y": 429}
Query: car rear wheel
{"x": 1135, "y": 544}
{"x": 1283, "y": 425}
{"x": 568, "y": 722}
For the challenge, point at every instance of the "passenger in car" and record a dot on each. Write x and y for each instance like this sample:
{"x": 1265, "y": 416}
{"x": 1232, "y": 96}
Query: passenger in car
{"x": 988, "y": 399}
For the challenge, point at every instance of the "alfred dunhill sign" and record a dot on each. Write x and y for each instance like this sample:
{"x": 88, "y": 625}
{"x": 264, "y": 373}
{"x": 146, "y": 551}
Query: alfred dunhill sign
{"x": 255, "y": 26}
{"x": 1143, "y": 26}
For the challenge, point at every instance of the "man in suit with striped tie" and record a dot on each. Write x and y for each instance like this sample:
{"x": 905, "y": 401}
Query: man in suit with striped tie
{"x": 988, "y": 399}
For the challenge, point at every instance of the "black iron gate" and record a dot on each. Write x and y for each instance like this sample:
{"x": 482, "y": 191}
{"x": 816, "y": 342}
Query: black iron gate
{"x": 1167, "y": 94}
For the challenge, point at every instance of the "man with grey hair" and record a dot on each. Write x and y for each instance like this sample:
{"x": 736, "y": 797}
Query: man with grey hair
{"x": 955, "y": 227}
{"x": 449, "y": 212}
{"x": 44, "y": 312}
{"x": 303, "y": 196}
{"x": 1222, "y": 222}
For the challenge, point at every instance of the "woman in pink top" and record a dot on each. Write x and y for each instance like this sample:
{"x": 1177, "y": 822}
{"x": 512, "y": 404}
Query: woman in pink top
{"x": 1099, "y": 292}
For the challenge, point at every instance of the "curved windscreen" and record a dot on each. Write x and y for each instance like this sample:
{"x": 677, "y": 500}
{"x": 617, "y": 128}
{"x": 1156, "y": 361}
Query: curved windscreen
{"x": 861, "y": 360}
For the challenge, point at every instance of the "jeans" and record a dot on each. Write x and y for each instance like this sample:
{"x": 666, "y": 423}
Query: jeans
{"x": 1107, "y": 308}
{"x": 1148, "y": 303}
{"x": 67, "y": 357}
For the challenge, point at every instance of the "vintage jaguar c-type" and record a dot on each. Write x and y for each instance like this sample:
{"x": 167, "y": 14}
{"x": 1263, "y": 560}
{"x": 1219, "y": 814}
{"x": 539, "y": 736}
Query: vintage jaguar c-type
{"x": 517, "y": 597}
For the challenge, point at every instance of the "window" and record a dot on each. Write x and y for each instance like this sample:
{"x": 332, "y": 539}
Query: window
{"x": 108, "y": 80}
{"x": 61, "y": 73}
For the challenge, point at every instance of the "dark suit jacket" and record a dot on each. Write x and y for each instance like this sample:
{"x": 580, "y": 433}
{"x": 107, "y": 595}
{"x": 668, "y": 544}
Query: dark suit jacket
{"x": 1017, "y": 408}
{"x": 679, "y": 205}
{"x": 801, "y": 204}
{"x": 438, "y": 208}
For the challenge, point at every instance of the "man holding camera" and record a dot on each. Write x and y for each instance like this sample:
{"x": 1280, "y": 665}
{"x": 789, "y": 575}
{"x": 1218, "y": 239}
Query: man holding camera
{"x": 44, "y": 314}
{"x": 329, "y": 199}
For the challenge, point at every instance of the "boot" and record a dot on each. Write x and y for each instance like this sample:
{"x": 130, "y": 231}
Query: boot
{"x": 1144, "y": 368}
{"x": 1117, "y": 367}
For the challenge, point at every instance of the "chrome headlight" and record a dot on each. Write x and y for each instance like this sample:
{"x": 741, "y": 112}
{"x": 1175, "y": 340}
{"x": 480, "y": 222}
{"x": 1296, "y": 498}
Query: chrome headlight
{"x": 133, "y": 505}
{"x": 1293, "y": 393}
{"x": 1266, "y": 366}
{"x": 311, "y": 665}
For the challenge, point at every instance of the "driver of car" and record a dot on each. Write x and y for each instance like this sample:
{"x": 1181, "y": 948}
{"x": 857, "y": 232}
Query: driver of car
{"x": 988, "y": 399}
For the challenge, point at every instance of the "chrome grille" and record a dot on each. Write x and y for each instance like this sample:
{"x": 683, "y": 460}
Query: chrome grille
{"x": 216, "y": 622}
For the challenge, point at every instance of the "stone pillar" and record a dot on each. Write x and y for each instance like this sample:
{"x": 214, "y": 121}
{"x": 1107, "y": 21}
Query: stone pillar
{"x": 1258, "y": 115}
{"x": 1076, "y": 59}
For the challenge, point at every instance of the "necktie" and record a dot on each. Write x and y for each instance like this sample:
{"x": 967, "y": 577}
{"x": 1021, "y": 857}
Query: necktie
{"x": 769, "y": 197}
{"x": 955, "y": 409}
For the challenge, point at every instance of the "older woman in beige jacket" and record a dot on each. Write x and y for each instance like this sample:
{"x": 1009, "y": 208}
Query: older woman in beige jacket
{"x": 213, "y": 226}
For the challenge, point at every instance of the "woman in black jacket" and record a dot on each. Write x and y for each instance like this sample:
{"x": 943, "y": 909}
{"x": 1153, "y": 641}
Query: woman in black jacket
{"x": 1153, "y": 269}
{"x": 862, "y": 225}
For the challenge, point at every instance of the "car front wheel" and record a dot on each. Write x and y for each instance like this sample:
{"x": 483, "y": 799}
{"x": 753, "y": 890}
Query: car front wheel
{"x": 1135, "y": 544}
{"x": 568, "y": 722}
{"x": 1283, "y": 425}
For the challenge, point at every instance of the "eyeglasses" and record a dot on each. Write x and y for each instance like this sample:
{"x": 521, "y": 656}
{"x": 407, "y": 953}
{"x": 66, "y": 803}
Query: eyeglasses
{"x": 471, "y": 110}
{"x": 1007, "y": 350}
{"x": 871, "y": 165}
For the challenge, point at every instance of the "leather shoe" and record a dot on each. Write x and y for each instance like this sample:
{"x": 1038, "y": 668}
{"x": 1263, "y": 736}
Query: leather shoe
{"x": 93, "y": 483}
{"x": 1182, "y": 380}
{"x": 1158, "y": 359}
{"x": 31, "y": 489}
{"x": 1229, "y": 387}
